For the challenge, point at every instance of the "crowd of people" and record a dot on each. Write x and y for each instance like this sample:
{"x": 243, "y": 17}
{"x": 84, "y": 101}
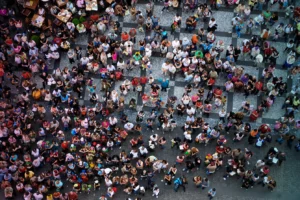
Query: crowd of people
{"x": 50, "y": 140}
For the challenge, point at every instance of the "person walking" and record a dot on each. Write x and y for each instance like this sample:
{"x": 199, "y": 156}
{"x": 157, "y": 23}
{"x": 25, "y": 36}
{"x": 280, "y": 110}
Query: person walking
{"x": 211, "y": 193}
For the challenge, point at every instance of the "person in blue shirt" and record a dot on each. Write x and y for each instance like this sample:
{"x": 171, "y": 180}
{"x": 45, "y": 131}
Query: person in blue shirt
{"x": 230, "y": 58}
{"x": 206, "y": 47}
{"x": 180, "y": 182}
{"x": 64, "y": 97}
{"x": 212, "y": 193}
{"x": 164, "y": 84}
{"x": 238, "y": 30}
{"x": 164, "y": 34}
{"x": 154, "y": 21}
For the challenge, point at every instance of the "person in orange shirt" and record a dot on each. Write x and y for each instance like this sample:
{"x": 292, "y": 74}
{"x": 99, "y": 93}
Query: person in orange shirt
{"x": 125, "y": 36}
{"x": 195, "y": 39}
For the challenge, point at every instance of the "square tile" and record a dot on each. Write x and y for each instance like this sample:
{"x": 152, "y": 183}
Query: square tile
{"x": 275, "y": 111}
{"x": 251, "y": 71}
{"x": 280, "y": 46}
{"x": 171, "y": 83}
{"x": 156, "y": 67}
{"x": 223, "y": 20}
{"x": 82, "y": 39}
{"x": 281, "y": 73}
{"x": 239, "y": 98}
{"x": 165, "y": 18}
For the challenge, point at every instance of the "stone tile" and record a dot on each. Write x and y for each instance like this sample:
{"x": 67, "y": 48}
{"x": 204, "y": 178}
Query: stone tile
{"x": 156, "y": 67}
{"x": 296, "y": 79}
{"x": 274, "y": 7}
{"x": 251, "y": 71}
{"x": 179, "y": 77}
{"x": 255, "y": 31}
{"x": 183, "y": 35}
{"x": 223, "y": 20}
{"x": 64, "y": 61}
{"x": 239, "y": 98}
{"x": 171, "y": 83}
{"x": 82, "y": 39}
{"x": 220, "y": 81}
{"x": 280, "y": 46}
{"x": 136, "y": 71}
{"x": 165, "y": 18}
{"x": 281, "y": 73}
{"x": 275, "y": 111}
{"x": 178, "y": 92}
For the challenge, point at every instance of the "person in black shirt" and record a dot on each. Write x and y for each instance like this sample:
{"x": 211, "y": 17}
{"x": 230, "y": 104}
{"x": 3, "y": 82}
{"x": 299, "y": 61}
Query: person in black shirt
{"x": 236, "y": 53}
{"x": 43, "y": 76}
{"x": 273, "y": 19}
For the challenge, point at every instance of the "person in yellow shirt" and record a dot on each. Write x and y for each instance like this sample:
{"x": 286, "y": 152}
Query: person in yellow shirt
{"x": 28, "y": 175}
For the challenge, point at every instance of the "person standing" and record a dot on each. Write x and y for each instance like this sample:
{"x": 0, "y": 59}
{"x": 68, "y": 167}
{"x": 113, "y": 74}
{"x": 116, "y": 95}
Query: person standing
{"x": 166, "y": 6}
{"x": 212, "y": 193}
{"x": 155, "y": 191}
{"x": 71, "y": 55}
{"x": 281, "y": 157}
{"x": 238, "y": 30}
{"x": 249, "y": 26}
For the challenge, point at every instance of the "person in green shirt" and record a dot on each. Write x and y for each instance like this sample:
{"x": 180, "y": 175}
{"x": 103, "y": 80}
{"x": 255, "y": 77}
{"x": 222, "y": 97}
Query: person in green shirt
{"x": 267, "y": 16}
{"x": 137, "y": 56}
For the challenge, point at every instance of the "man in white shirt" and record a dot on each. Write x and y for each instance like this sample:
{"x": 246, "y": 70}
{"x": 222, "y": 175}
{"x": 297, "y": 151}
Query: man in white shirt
{"x": 113, "y": 121}
{"x": 143, "y": 151}
{"x": 53, "y": 47}
{"x": 111, "y": 68}
{"x": 84, "y": 61}
{"x": 190, "y": 110}
{"x": 134, "y": 153}
{"x": 66, "y": 119}
{"x": 154, "y": 138}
